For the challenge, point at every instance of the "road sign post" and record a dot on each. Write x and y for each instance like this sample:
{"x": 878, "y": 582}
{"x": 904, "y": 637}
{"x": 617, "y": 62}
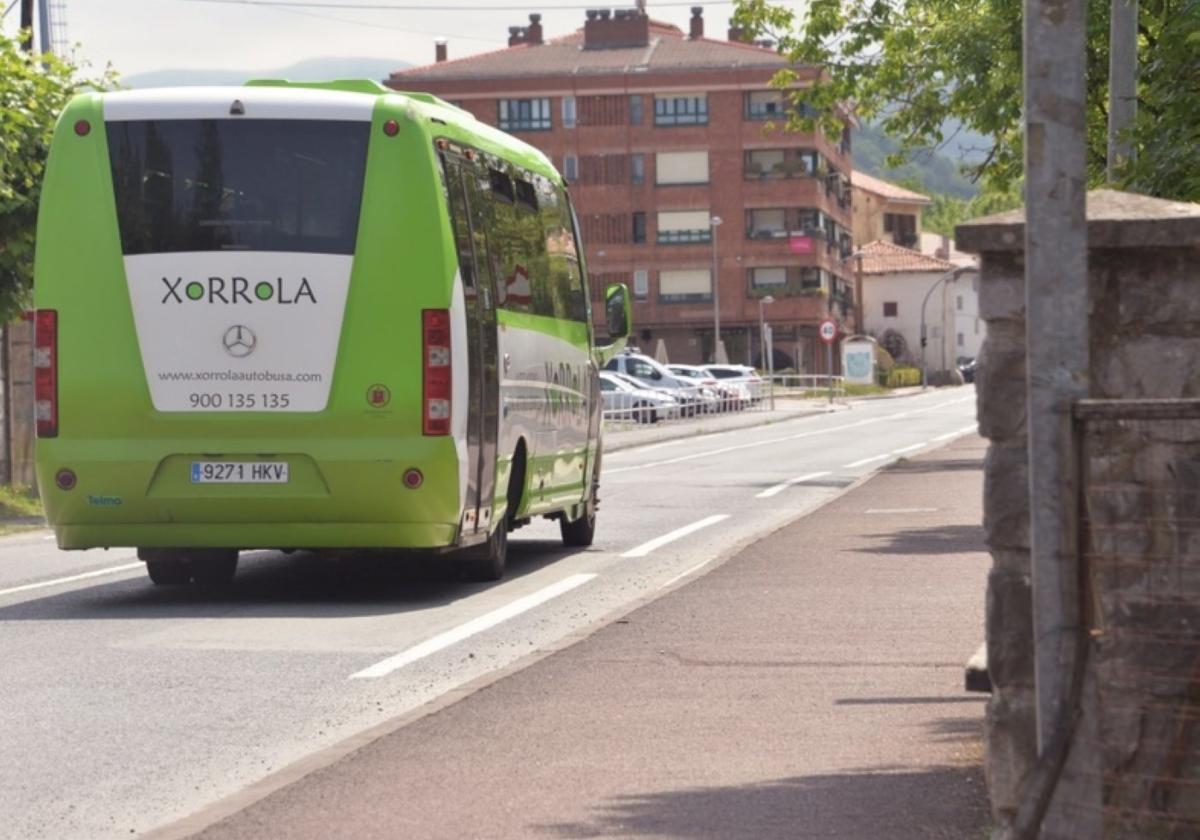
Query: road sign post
{"x": 828, "y": 333}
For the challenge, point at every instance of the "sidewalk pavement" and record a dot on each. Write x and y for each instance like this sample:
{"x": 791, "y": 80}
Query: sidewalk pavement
{"x": 808, "y": 687}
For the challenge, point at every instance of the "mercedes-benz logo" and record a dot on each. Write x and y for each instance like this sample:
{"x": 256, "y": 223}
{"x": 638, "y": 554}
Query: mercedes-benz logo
{"x": 239, "y": 341}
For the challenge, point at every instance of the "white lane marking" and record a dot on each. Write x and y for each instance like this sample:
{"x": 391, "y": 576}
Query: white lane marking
{"x": 958, "y": 433}
{"x": 901, "y": 510}
{"x": 471, "y": 628}
{"x": 779, "y": 488}
{"x": 684, "y": 574}
{"x": 711, "y": 452}
{"x": 867, "y": 461}
{"x": 48, "y": 537}
{"x": 645, "y": 548}
{"x": 912, "y": 448}
{"x": 111, "y": 570}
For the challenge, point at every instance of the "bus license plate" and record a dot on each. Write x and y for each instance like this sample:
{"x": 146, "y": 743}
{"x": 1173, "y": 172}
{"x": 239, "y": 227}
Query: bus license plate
{"x": 239, "y": 472}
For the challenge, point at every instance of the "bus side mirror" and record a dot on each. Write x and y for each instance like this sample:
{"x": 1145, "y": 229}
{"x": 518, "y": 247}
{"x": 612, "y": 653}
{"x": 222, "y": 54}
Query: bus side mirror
{"x": 617, "y": 308}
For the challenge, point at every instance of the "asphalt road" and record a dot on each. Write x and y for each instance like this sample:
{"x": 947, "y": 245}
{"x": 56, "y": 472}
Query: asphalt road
{"x": 127, "y": 707}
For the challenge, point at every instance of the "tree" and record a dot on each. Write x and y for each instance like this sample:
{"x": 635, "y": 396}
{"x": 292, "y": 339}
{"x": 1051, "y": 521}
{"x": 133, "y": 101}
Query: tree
{"x": 33, "y": 91}
{"x": 917, "y": 65}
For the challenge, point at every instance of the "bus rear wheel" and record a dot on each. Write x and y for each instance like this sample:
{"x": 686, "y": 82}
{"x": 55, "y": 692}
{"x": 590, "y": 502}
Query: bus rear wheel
{"x": 214, "y": 567}
{"x": 168, "y": 572}
{"x": 485, "y": 562}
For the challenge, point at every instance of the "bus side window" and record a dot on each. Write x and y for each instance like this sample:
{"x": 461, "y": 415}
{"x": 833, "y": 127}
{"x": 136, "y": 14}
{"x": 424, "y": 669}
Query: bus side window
{"x": 580, "y": 308}
{"x": 519, "y": 250}
{"x": 458, "y": 217}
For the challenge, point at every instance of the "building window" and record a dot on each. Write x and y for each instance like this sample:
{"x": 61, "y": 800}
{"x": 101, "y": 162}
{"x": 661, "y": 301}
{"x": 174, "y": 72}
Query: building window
{"x": 771, "y": 164}
{"x": 637, "y": 168}
{"x": 764, "y": 104}
{"x": 766, "y": 224}
{"x": 902, "y": 227}
{"x": 681, "y": 227}
{"x": 959, "y": 303}
{"x": 960, "y": 339}
{"x": 641, "y": 283}
{"x": 568, "y": 108}
{"x": 768, "y": 277}
{"x": 571, "y": 168}
{"x": 525, "y": 114}
{"x": 976, "y": 326}
{"x": 635, "y": 109}
{"x": 685, "y": 285}
{"x": 681, "y": 168}
{"x": 639, "y": 227}
{"x": 681, "y": 110}
{"x": 889, "y": 309}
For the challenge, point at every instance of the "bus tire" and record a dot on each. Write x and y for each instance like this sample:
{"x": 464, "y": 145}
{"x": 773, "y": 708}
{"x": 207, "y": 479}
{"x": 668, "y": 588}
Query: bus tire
{"x": 484, "y": 563}
{"x": 581, "y": 532}
{"x": 215, "y": 567}
{"x": 168, "y": 572}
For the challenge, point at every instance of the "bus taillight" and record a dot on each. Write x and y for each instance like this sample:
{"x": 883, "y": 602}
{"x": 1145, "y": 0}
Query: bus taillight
{"x": 45, "y": 372}
{"x": 437, "y": 372}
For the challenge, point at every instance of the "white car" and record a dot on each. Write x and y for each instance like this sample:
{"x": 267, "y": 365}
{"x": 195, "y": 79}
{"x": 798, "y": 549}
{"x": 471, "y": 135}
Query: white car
{"x": 654, "y": 374}
{"x": 730, "y": 395}
{"x": 743, "y": 374}
{"x": 624, "y": 400}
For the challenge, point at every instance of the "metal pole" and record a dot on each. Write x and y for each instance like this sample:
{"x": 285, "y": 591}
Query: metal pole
{"x": 829, "y": 368}
{"x": 714, "y": 223}
{"x": 44, "y": 26}
{"x": 27, "y": 25}
{"x": 951, "y": 274}
{"x": 771, "y": 363}
{"x": 1056, "y": 305}
{"x": 1122, "y": 82}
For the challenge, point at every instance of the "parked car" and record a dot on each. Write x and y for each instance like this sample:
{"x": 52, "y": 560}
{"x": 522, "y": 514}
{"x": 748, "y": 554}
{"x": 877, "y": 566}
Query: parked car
{"x": 729, "y": 395}
{"x": 688, "y": 403}
{"x": 968, "y": 368}
{"x": 651, "y": 372}
{"x": 624, "y": 400}
{"x": 740, "y": 373}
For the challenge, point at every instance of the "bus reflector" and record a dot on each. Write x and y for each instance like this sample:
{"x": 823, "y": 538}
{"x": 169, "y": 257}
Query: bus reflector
{"x": 45, "y": 371}
{"x": 435, "y": 332}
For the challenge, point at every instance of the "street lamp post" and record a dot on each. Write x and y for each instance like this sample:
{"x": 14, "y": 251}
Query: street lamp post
{"x": 953, "y": 274}
{"x": 768, "y": 366}
{"x": 718, "y": 348}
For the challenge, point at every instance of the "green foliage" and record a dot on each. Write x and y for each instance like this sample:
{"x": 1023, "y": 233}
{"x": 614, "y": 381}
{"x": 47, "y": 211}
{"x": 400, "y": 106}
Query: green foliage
{"x": 947, "y": 211}
{"x": 927, "y": 171}
{"x": 912, "y": 65}
{"x": 33, "y": 91}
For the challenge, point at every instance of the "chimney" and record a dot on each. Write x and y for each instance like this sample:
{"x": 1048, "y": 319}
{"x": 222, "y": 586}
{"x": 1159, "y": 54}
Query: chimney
{"x": 439, "y": 50}
{"x": 736, "y": 33}
{"x": 516, "y": 35}
{"x": 605, "y": 30}
{"x": 697, "y": 23}
{"x": 533, "y": 32}
{"x": 943, "y": 252}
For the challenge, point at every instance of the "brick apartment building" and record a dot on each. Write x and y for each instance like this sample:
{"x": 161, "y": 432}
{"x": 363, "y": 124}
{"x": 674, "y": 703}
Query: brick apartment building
{"x": 662, "y": 133}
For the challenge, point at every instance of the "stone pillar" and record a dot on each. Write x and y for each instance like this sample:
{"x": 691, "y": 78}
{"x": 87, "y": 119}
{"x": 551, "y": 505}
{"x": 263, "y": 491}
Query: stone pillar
{"x": 1144, "y": 285}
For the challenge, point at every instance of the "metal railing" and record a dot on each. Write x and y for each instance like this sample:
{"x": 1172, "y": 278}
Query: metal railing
{"x": 685, "y": 405}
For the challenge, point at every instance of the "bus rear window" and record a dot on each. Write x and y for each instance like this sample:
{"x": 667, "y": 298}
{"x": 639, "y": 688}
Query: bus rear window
{"x": 238, "y": 185}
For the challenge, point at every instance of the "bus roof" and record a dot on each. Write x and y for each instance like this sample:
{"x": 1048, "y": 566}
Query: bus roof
{"x": 349, "y": 99}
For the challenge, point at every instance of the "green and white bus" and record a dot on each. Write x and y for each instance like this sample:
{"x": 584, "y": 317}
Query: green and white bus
{"x": 309, "y": 316}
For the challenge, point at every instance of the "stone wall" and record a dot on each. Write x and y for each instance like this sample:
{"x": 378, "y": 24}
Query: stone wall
{"x": 1144, "y": 287}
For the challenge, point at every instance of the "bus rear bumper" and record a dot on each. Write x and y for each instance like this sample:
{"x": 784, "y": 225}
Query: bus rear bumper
{"x": 245, "y": 536}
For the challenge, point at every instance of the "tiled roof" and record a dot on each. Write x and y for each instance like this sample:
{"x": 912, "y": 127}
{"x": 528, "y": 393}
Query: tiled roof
{"x": 668, "y": 50}
{"x": 881, "y": 257}
{"x": 888, "y": 190}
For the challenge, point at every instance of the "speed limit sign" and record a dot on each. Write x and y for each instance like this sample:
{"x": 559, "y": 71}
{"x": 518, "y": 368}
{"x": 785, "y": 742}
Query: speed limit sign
{"x": 828, "y": 331}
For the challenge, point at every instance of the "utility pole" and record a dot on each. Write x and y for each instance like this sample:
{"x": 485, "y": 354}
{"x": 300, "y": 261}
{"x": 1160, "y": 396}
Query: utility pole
{"x": 1122, "y": 82}
{"x": 1056, "y": 338}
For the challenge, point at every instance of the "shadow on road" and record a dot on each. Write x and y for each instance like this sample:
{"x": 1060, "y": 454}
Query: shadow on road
{"x": 297, "y": 585}
{"x": 939, "y": 539}
{"x": 852, "y": 805}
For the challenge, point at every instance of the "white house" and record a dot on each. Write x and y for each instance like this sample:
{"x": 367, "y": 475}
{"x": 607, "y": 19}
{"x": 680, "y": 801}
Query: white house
{"x": 901, "y": 288}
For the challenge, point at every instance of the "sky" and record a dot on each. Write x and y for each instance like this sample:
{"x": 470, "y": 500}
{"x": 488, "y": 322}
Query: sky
{"x": 137, "y": 36}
